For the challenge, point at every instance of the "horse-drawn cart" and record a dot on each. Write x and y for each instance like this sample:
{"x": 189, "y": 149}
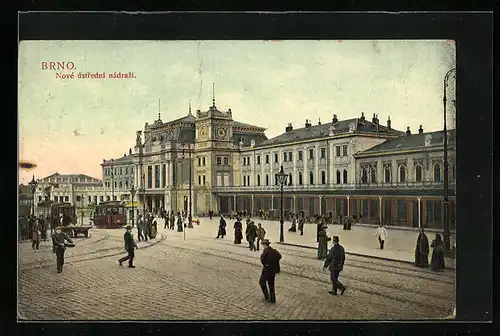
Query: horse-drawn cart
{"x": 74, "y": 230}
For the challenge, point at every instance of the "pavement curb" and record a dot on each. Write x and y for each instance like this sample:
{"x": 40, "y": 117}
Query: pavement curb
{"x": 359, "y": 254}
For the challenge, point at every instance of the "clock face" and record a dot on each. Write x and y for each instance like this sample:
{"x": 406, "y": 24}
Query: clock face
{"x": 203, "y": 133}
{"x": 221, "y": 133}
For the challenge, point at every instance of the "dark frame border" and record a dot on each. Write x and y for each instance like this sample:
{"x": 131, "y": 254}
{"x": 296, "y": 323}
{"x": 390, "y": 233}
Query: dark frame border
{"x": 473, "y": 35}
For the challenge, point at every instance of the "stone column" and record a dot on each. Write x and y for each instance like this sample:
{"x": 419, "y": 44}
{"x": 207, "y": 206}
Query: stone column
{"x": 272, "y": 202}
{"x": 419, "y": 216}
{"x": 320, "y": 199}
{"x": 348, "y": 201}
{"x": 294, "y": 204}
{"x": 251, "y": 205}
{"x": 380, "y": 208}
{"x": 234, "y": 203}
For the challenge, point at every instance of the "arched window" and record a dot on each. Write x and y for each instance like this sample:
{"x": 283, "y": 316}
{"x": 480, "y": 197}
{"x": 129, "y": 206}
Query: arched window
{"x": 338, "y": 176}
{"x": 258, "y": 180}
{"x": 364, "y": 176}
{"x": 311, "y": 178}
{"x": 300, "y": 178}
{"x": 290, "y": 179}
{"x": 373, "y": 176}
{"x": 402, "y": 174}
{"x": 418, "y": 173}
{"x": 387, "y": 174}
{"x": 437, "y": 173}
{"x": 267, "y": 179}
{"x": 323, "y": 177}
{"x": 345, "y": 176}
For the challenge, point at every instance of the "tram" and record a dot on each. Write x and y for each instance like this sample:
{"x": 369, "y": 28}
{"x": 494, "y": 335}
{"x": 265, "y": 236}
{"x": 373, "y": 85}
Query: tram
{"x": 110, "y": 215}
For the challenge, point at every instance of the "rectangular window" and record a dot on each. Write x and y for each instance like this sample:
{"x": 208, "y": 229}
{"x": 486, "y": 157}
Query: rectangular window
{"x": 290, "y": 156}
{"x": 150, "y": 177}
{"x": 244, "y": 161}
{"x": 199, "y": 161}
{"x": 108, "y": 198}
{"x": 226, "y": 179}
{"x": 219, "y": 160}
{"x": 300, "y": 155}
{"x": 204, "y": 180}
{"x": 311, "y": 154}
{"x": 164, "y": 175}
{"x": 131, "y": 171}
{"x": 101, "y": 198}
{"x": 90, "y": 199}
{"x": 226, "y": 161}
{"x": 323, "y": 153}
{"x": 219, "y": 179}
{"x": 95, "y": 199}
{"x": 199, "y": 179}
{"x": 126, "y": 184}
{"x": 121, "y": 184}
{"x": 66, "y": 198}
{"x": 114, "y": 198}
{"x": 258, "y": 160}
{"x": 248, "y": 179}
{"x": 275, "y": 157}
{"x": 285, "y": 157}
{"x": 344, "y": 150}
{"x": 267, "y": 158}
{"x": 157, "y": 176}
{"x": 248, "y": 161}
{"x": 337, "y": 151}
{"x": 204, "y": 163}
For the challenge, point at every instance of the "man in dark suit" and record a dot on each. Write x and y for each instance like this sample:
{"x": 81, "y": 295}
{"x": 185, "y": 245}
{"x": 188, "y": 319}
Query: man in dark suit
{"x": 130, "y": 245}
{"x": 335, "y": 261}
{"x": 270, "y": 259}
{"x": 59, "y": 248}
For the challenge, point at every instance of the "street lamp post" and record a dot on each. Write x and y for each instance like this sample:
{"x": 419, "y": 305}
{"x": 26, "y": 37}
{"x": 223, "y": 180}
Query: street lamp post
{"x": 143, "y": 178}
{"x": 446, "y": 224}
{"x": 132, "y": 193}
{"x": 33, "y": 185}
{"x": 190, "y": 216}
{"x": 282, "y": 177}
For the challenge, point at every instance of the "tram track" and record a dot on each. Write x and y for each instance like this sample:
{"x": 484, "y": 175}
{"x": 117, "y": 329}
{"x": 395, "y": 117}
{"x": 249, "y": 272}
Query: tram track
{"x": 416, "y": 273}
{"x": 427, "y": 302}
{"x": 69, "y": 259}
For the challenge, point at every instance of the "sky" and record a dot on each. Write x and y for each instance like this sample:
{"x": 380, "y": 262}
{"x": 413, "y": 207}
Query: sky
{"x": 69, "y": 125}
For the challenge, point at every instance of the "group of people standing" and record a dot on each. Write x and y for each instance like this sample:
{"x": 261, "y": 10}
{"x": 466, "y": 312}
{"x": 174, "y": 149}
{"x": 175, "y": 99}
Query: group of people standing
{"x": 147, "y": 227}
{"x": 254, "y": 233}
{"x": 422, "y": 252}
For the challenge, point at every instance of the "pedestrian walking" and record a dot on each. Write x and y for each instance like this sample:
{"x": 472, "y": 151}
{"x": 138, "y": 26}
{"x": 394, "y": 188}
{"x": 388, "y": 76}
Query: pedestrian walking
{"x": 261, "y": 234}
{"x": 59, "y": 247}
{"x": 172, "y": 221}
{"x": 335, "y": 263}
{"x": 381, "y": 234}
{"x": 252, "y": 235}
{"x": 301, "y": 225}
{"x": 422, "y": 250}
{"x": 167, "y": 219}
{"x": 211, "y": 213}
{"x": 270, "y": 259}
{"x": 140, "y": 228}
{"x": 36, "y": 235}
{"x": 222, "y": 228}
{"x": 437, "y": 259}
{"x": 238, "y": 234}
{"x": 323, "y": 243}
{"x": 293, "y": 228}
{"x": 130, "y": 245}
{"x": 179, "y": 222}
{"x": 319, "y": 227}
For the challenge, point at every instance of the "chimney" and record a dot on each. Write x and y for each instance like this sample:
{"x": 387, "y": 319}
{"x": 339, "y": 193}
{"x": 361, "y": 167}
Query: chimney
{"x": 389, "y": 122}
{"x": 130, "y": 151}
{"x": 308, "y": 123}
{"x": 408, "y": 132}
{"x": 319, "y": 121}
{"x": 362, "y": 117}
{"x": 289, "y": 128}
{"x": 420, "y": 130}
{"x": 334, "y": 120}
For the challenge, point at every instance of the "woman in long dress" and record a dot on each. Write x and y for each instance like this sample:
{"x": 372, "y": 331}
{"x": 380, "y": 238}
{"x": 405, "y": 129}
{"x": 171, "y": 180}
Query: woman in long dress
{"x": 179, "y": 222}
{"x": 322, "y": 243}
{"x": 437, "y": 259}
{"x": 36, "y": 235}
{"x": 422, "y": 250}
{"x": 238, "y": 234}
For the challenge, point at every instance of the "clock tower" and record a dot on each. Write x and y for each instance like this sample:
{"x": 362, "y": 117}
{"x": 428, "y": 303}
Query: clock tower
{"x": 213, "y": 155}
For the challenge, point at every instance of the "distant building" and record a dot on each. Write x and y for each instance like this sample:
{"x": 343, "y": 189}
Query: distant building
{"x": 25, "y": 200}
{"x": 118, "y": 177}
{"x": 78, "y": 189}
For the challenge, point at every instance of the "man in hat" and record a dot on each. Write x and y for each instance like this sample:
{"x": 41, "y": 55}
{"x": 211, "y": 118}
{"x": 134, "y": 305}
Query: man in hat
{"x": 335, "y": 261}
{"x": 270, "y": 260}
{"x": 59, "y": 248}
{"x": 130, "y": 245}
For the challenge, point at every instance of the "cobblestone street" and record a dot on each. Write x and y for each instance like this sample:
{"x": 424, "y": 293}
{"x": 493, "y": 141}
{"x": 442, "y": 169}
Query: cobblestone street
{"x": 213, "y": 279}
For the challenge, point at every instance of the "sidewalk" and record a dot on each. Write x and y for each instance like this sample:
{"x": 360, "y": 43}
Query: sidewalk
{"x": 360, "y": 240}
